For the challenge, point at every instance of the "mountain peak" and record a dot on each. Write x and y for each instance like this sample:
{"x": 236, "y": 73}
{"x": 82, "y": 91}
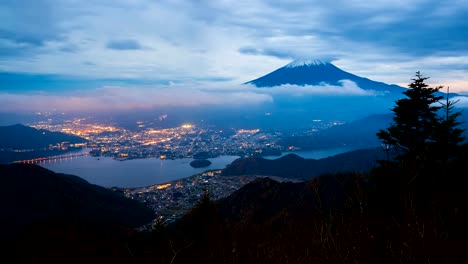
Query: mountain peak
{"x": 316, "y": 72}
{"x": 307, "y": 62}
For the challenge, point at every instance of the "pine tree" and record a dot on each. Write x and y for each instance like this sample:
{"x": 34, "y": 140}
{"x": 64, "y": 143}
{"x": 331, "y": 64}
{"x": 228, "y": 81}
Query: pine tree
{"x": 448, "y": 134}
{"x": 414, "y": 131}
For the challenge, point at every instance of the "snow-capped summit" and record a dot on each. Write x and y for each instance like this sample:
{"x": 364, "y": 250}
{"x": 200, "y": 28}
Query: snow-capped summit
{"x": 306, "y": 62}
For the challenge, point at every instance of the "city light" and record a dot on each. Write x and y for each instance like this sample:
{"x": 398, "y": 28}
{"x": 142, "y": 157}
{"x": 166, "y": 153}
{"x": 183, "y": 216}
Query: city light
{"x": 187, "y": 126}
{"x": 163, "y": 186}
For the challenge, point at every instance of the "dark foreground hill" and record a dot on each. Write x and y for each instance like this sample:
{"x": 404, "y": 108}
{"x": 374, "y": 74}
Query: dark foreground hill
{"x": 264, "y": 201}
{"x": 57, "y": 218}
{"x": 260, "y": 223}
{"x": 294, "y": 167}
{"x": 31, "y": 194}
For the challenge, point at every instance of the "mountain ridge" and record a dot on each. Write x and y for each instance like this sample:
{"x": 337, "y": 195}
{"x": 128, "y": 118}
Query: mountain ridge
{"x": 24, "y": 137}
{"x": 294, "y": 167}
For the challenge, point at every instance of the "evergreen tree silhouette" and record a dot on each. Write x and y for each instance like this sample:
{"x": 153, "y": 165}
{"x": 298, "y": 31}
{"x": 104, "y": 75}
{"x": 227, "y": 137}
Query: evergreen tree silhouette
{"x": 424, "y": 134}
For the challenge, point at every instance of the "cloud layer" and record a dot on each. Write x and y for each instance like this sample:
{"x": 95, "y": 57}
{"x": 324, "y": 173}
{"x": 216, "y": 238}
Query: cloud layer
{"x": 172, "y": 95}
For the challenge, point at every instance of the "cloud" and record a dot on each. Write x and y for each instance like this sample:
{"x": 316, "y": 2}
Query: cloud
{"x": 172, "y": 95}
{"x": 131, "y": 98}
{"x": 125, "y": 44}
{"x": 462, "y": 101}
{"x": 266, "y": 52}
{"x": 347, "y": 88}
{"x": 32, "y": 22}
{"x": 250, "y": 51}
{"x": 69, "y": 48}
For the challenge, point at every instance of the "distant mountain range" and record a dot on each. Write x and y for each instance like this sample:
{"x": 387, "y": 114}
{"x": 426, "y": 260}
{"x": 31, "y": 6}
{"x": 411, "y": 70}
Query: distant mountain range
{"x": 360, "y": 133}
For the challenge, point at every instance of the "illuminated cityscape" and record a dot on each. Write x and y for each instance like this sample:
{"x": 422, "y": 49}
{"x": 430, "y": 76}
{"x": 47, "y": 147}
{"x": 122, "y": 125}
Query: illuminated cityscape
{"x": 183, "y": 141}
{"x": 166, "y": 143}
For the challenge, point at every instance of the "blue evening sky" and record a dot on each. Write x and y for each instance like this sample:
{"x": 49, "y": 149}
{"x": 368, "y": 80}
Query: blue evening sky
{"x": 54, "y": 48}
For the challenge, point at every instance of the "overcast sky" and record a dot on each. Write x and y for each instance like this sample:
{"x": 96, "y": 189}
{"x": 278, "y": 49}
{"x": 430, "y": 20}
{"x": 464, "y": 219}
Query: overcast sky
{"x": 60, "y": 46}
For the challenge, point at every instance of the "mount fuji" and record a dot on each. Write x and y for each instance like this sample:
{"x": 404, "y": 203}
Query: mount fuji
{"x": 317, "y": 72}
{"x": 310, "y": 89}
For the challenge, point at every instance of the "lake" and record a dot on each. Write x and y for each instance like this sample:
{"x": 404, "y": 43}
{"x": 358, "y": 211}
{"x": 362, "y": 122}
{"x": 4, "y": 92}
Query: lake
{"x": 107, "y": 172}
{"x": 317, "y": 153}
